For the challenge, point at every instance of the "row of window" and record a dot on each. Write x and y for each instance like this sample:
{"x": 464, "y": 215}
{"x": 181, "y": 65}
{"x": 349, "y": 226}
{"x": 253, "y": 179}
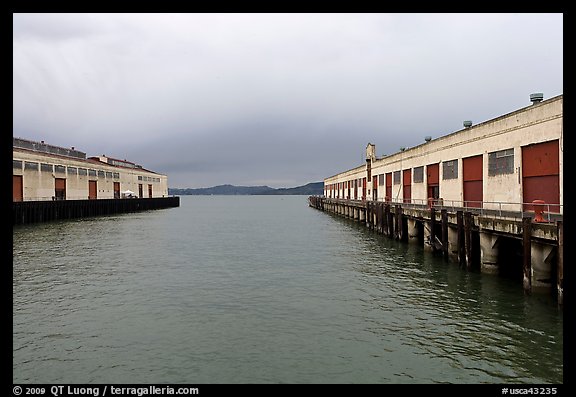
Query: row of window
{"x": 44, "y": 167}
{"x": 499, "y": 163}
{"x": 148, "y": 178}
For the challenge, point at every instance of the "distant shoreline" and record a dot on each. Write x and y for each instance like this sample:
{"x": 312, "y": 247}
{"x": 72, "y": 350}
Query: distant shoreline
{"x": 314, "y": 188}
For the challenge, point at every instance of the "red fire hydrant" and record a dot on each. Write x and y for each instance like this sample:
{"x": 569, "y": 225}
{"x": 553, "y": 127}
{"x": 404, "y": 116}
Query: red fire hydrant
{"x": 538, "y": 210}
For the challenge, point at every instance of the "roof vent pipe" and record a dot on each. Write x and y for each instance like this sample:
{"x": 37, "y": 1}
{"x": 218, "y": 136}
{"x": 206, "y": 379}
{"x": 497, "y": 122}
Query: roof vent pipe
{"x": 536, "y": 97}
{"x": 467, "y": 123}
{"x": 427, "y": 138}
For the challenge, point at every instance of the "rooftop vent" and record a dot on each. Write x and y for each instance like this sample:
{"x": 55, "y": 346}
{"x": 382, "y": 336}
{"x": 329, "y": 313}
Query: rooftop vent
{"x": 536, "y": 97}
{"x": 467, "y": 123}
{"x": 402, "y": 148}
{"x": 427, "y": 138}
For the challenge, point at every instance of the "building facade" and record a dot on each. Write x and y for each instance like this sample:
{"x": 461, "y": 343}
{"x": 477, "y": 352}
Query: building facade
{"x": 503, "y": 164}
{"x": 42, "y": 172}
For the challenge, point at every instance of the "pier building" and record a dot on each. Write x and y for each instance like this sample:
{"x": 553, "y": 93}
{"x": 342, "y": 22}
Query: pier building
{"x": 51, "y": 182}
{"x": 489, "y": 195}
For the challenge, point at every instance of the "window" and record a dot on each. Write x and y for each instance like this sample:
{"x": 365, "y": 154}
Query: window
{"x": 100, "y": 174}
{"x": 60, "y": 168}
{"x": 501, "y": 162}
{"x": 30, "y": 166}
{"x": 418, "y": 174}
{"x": 91, "y": 172}
{"x": 108, "y": 174}
{"x": 116, "y": 175}
{"x": 381, "y": 180}
{"x": 82, "y": 171}
{"x": 396, "y": 177}
{"x": 72, "y": 170}
{"x": 46, "y": 167}
{"x": 17, "y": 164}
{"x": 139, "y": 177}
{"x": 450, "y": 169}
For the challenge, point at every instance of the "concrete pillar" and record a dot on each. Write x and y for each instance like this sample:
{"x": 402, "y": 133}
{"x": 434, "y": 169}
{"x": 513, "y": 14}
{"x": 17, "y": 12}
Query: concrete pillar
{"x": 453, "y": 243}
{"x": 542, "y": 256}
{"x": 560, "y": 264}
{"x": 427, "y": 236}
{"x": 488, "y": 253}
{"x": 412, "y": 231}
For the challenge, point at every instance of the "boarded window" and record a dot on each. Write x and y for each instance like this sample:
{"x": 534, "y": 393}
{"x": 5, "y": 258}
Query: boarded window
{"x": 418, "y": 175}
{"x": 30, "y": 166}
{"x": 450, "y": 169}
{"x": 60, "y": 168}
{"x": 82, "y": 171}
{"x": 396, "y": 177}
{"x": 46, "y": 167}
{"x": 501, "y": 162}
{"x": 17, "y": 165}
{"x": 72, "y": 170}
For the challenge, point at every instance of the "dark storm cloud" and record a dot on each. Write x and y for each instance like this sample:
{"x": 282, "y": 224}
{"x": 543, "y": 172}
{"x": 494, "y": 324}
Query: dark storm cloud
{"x": 281, "y": 99}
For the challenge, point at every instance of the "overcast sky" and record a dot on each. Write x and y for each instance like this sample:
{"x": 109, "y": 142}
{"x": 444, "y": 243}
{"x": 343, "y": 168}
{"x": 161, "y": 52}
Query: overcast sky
{"x": 271, "y": 99}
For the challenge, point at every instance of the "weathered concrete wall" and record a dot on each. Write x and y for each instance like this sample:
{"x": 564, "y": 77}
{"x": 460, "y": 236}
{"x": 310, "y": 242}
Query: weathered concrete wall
{"x": 40, "y": 185}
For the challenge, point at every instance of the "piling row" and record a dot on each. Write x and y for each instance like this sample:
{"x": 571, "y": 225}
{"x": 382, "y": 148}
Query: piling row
{"x": 25, "y": 212}
{"x": 467, "y": 239}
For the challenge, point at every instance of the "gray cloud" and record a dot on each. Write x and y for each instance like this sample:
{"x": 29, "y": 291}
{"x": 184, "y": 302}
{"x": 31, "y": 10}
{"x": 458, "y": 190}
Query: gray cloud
{"x": 283, "y": 98}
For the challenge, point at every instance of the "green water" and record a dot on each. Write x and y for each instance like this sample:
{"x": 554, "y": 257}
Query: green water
{"x": 263, "y": 289}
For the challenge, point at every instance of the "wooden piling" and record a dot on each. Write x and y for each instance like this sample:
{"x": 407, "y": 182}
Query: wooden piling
{"x": 527, "y": 254}
{"x": 468, "y": 239}
{"x": 432, "y": 228}
{"x": 398, "y": 223}
{"x": 560, "y": 263}
{"x": 380, "y": 215}
{"x": 460, "y": 243}
{"x": 444, "y": 216}
{"x": 390, "y": 223}
{"x": 385, "y": 228}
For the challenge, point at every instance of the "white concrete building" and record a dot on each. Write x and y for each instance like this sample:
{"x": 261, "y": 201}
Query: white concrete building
{"x": 43, "y": 172}
{"x": 498, "y": 164}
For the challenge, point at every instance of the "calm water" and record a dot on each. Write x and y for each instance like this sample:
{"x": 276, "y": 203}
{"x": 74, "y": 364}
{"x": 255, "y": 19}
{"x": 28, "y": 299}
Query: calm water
{"x": 263, "y": 289}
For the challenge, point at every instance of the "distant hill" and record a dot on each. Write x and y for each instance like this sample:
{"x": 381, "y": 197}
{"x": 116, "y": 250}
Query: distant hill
{"x": 314, "y": 188}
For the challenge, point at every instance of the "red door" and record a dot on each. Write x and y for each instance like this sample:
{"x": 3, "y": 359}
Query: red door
{"x": 92, "y": 190}
{"x": 17, "y": 190}
{"x": 375, "y": 187}
{"x": 363, "y": 188}
{"x": 541, "y": 174}
{"x": 60, "y": 188}
{"x": 116, "y": 190}
{"x": 407, "y": 185}
{"x": 433, "y": 176}
{"x": 472, "y": 175}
